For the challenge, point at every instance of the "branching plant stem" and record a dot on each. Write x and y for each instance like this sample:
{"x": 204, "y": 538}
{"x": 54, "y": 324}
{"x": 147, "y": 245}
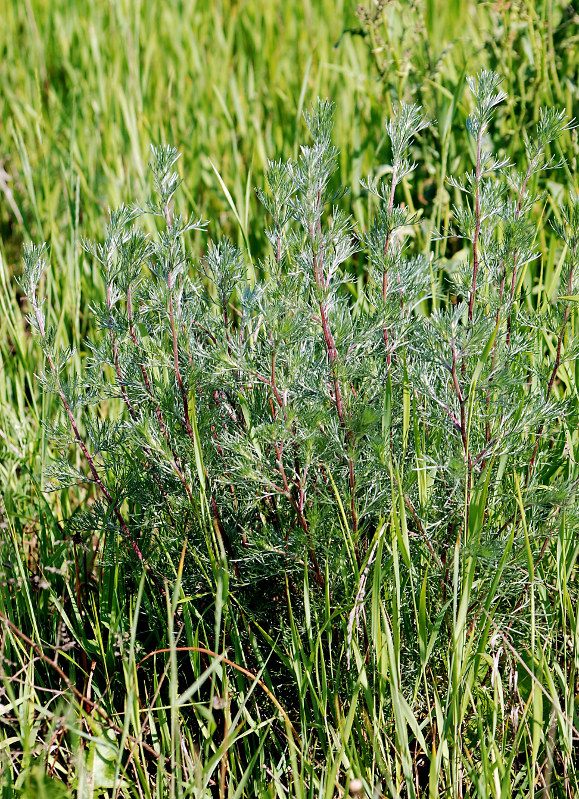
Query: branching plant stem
{"x": 162, "y": 426}
{"x": 478, "y": 222}
{"x": 89, "y": 458}
{"x": 332, "y": 354}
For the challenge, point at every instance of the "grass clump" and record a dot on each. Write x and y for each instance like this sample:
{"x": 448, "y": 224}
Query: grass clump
{"x": 334, "y": 492}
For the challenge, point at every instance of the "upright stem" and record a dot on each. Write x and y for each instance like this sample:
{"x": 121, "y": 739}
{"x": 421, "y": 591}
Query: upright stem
{"x": 557, "y": 363}
{"x": 116, "y": 355}
{"x": 128, "y": 403}
{"x": 177, "y": 368}
{"x": 462, "y": 427}
{"x": 178, "y": 376}
{"x": 475, "y": 252}
{"x": 522, "y": 192}
{"x": 494, "y": 355}
{"x": 278, "y": 246}
{"x": 299, "y": 512}
{"x": 332, "y": 353}
{"x": 461, "y": 400}
{"x": 86, "y": 453}
{"x": 558, "y": 355}
{"x": 158, "y": 413}
{"x": 563, "y": 326}
{"x": 217, "y": 523}
{"x": 520, "y": 199}
{"x": 386, "y": 248}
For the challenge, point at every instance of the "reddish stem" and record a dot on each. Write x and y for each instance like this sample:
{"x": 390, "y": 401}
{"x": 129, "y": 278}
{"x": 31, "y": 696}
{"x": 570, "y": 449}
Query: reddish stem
{"x": 475, "y": 253}
{"x": 332, "y": 353}
{"x": 86, "y": 453}
{"x": 158, "y": 413}
{"x": 301, "y": 518}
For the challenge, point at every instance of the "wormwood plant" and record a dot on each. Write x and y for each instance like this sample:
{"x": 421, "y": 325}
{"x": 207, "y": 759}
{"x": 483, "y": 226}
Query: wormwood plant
{"x": 278, "y": 422}
{"x": 253, "y": 412}
{"x": 406, "y": 448}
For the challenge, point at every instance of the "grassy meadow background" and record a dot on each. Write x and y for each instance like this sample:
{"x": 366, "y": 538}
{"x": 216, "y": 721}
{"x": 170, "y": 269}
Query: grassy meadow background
{"x": 85, "y": 88}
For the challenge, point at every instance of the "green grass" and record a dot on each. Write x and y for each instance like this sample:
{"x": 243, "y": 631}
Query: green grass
{"x": 84, "y": 90}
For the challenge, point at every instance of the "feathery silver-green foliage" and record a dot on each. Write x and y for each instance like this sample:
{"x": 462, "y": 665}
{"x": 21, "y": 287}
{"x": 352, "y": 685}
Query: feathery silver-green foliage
{"x": 412, "y": 436}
